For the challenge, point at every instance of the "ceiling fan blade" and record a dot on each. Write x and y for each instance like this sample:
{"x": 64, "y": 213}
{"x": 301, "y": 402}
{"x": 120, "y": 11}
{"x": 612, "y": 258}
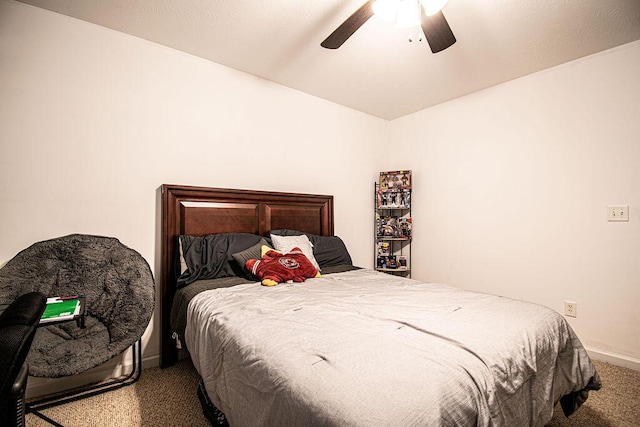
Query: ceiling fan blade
{"x": 437, "y": 31}
{"x": 348, "y": 27}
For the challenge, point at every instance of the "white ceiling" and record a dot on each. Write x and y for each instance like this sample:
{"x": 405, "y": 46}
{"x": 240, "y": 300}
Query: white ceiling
{"x": 377, "y": 70}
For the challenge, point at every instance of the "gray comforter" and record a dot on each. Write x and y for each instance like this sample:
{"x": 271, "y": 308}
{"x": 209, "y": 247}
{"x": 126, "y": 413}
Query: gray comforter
{"x": 366, "y": 348}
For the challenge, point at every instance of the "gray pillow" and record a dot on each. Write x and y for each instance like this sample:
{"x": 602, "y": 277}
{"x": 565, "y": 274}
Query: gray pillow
{"x": 210, "y": 257}
{"x": 254, "y": 252}
{"x": 330, "y": 251}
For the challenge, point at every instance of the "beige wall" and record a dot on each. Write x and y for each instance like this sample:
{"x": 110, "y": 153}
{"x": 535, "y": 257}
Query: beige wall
{"x": 512, "y": 185}
{"x": 93, "y": 121}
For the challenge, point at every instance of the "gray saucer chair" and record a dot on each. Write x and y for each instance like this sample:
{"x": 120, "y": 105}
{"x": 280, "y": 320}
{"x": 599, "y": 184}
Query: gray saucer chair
{"x": 18, "y": 323}
{"x": 118, "y": 290}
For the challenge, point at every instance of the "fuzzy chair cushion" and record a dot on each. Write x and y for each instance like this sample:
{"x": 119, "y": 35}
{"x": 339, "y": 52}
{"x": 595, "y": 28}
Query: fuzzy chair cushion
{"x": 119, "y": 289}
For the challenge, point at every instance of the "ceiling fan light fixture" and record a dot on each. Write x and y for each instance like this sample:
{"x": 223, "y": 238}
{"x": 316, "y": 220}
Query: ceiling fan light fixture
{"x": 408, "y": 14}
{"x": 433, "y": 6}
{"x": 386, "y": 10}
{"x": 435, "y": 28}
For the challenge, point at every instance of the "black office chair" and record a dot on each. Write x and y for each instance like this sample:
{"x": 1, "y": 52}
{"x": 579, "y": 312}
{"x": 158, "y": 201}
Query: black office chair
{"x": 18, "y": 323}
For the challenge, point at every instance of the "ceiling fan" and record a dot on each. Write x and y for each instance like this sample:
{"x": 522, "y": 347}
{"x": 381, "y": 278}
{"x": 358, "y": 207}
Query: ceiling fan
{"x": 433, "y": 23}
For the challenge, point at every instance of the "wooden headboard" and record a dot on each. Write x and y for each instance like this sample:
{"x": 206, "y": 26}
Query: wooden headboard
{"x": 199, "y": 211}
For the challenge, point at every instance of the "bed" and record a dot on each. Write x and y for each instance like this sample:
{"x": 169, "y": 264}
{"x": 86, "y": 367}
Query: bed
{"x": 354, "y": 346}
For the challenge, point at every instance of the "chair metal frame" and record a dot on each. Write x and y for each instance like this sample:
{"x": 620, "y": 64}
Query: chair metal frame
{"x": 88, "y": 390}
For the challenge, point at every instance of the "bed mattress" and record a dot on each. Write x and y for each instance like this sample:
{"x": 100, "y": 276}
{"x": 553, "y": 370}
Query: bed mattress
{"x": 366, "y": 348}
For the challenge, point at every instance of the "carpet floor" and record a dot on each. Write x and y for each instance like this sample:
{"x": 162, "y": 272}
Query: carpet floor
{"x": 167, "y": 397}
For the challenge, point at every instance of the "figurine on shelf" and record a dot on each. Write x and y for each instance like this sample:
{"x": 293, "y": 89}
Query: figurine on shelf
{"x": 392, "y": 263}
{"x": 405, "y": 227}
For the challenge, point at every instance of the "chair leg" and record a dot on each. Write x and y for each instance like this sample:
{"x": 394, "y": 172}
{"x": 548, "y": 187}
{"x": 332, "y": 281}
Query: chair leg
{"x": 35, "y": 406}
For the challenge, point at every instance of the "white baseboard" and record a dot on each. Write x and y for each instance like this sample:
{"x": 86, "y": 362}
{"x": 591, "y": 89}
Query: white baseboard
{"x": 615, "y": 359}
{"x": 114, "y": 368}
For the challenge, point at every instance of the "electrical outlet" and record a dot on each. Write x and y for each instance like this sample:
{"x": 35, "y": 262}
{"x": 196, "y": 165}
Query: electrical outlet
{"x": 570, "y": 309}
{"x": 618, "y": 213}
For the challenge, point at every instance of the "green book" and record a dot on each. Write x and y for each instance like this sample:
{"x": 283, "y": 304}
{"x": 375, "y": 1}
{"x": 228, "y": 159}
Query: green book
{"x": 60, "y": 309}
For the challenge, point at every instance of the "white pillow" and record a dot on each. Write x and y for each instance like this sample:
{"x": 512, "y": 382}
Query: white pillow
{"x": 284, "y": 244}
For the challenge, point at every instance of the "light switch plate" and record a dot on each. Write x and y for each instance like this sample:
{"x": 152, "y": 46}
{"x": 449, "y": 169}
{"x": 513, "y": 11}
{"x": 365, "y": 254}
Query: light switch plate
{"x": 618, "y": 213}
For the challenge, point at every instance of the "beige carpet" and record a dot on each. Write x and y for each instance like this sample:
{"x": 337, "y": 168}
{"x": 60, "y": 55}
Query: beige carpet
{"x": 161, "y": 397}
{"x": 167, "y": 397}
